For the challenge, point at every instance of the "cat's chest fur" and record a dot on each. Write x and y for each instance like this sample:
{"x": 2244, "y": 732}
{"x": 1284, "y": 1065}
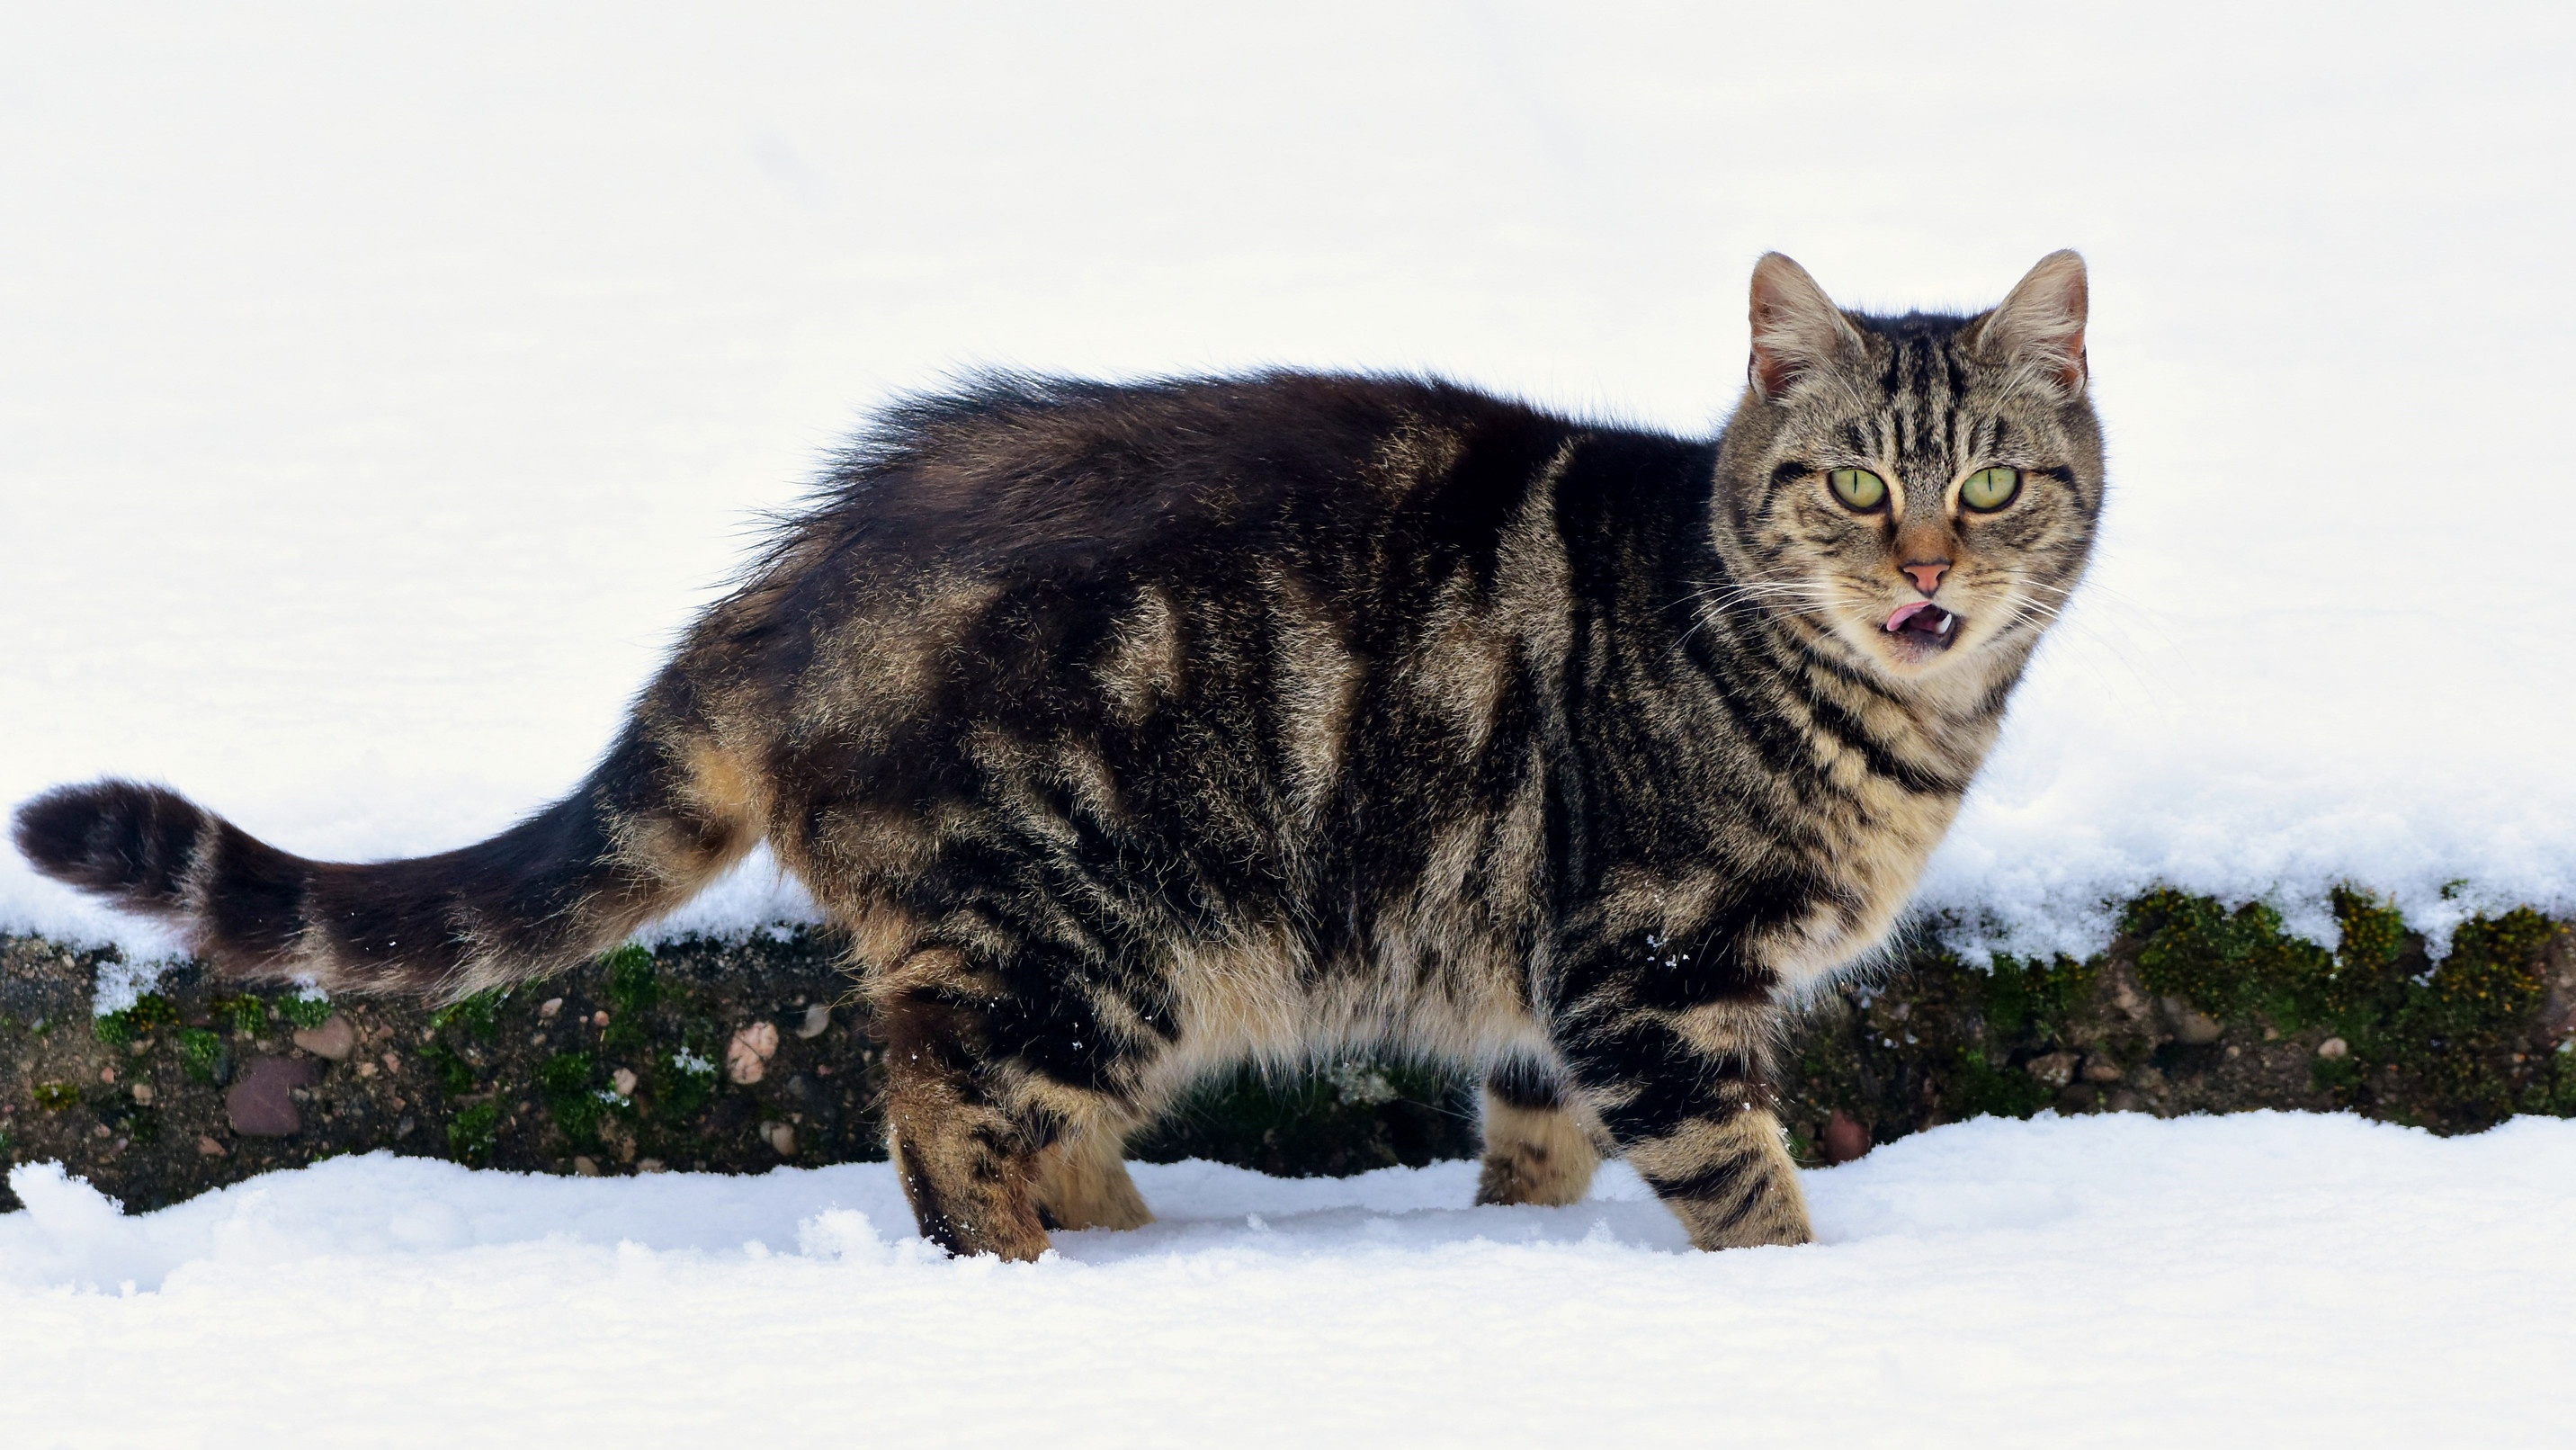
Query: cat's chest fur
{"x": 1873, "y": 814}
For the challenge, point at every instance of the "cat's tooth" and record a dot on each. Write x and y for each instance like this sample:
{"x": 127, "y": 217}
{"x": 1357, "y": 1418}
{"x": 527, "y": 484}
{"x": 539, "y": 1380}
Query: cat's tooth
{"x": 1946, "y": 621}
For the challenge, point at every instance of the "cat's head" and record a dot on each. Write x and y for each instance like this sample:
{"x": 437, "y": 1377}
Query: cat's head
{"x": 1912, "y": 492}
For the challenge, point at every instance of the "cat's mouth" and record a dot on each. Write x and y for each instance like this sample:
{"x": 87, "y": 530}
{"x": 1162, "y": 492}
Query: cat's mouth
{"x": 1924, "y": 625}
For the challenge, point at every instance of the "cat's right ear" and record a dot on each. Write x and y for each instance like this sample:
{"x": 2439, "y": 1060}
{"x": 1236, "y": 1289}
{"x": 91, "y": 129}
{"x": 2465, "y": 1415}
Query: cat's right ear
{"x": 1796, "y": 327}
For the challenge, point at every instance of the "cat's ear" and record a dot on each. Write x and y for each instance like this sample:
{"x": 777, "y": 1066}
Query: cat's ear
{"x": 2041, "y": 325}
{"x": 1796, "y": 327}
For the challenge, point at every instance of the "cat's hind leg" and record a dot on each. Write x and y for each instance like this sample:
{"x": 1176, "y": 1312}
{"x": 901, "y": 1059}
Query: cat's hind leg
{"x": 1002, "y": 1106}
{"x": 964, "y": 1145}
{"x": 1535, "y": 1150}
{"x": 1083, "y": 1183}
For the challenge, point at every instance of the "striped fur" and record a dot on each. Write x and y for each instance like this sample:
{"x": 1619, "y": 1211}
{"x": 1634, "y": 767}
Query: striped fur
{"x": 1135, "y": 731}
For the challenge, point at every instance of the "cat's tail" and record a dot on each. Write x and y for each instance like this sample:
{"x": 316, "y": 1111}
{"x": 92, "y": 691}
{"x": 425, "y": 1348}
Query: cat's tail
{"x": 651, "y": 826}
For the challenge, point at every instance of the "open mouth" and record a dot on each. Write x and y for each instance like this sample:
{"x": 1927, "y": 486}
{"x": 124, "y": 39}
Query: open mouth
{"x": 1924, "y": 624}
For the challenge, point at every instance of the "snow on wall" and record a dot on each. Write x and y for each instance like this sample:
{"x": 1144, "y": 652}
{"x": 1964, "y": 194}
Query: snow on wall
{"x": 384, "y": 391}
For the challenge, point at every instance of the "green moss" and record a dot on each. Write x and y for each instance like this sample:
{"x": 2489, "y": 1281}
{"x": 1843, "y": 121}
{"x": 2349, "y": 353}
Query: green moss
{"x": 473, "y": 1133}
{"x": 681, "y": 1084}
{"x": 2452, "y": 1035}
{"x": 2425, "y": 1044}
{"x": 245, "y": 1013}
{"x": 201, "y": 1052}
{"x": 53, "y": 1097}
{"x": 304, "y": 1011}
{"x": 150, "y": 1013}
{"x": 2036, "y": 999}
{"x": 1976, "y": 1088}
{"x": 568, "y": 1081}
{"x": 455, "y": 1075}
{"x": 2233, "y": 965}
{"x": 478, "y": 1014}
{"x": 634, "y": 985}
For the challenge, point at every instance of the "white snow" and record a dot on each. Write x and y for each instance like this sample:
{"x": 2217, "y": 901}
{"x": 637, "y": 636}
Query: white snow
{"x": 2265, "y": 1279}
{"x": 384, "y": 389}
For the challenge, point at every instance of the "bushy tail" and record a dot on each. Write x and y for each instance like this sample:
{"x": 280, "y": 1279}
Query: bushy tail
{"x": 641, "y": 836}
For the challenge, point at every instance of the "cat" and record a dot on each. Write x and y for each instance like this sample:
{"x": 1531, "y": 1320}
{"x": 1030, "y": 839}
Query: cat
{"x": 1132, "y": 731}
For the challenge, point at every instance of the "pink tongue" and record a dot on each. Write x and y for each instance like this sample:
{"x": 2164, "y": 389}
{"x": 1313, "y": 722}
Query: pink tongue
{"x": 1905, "y": 612}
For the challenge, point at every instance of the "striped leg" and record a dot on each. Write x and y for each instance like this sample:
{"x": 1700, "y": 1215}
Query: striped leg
{"x": 1681, "y": 1095}
{"x": 968, "y": 1162}
{"x": 1535, "y": 1151}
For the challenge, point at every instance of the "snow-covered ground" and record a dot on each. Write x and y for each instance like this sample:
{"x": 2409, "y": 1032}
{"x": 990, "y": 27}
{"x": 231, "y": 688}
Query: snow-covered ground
{"x": 2259, "y": 1280}
{"x": 382, "y": 389}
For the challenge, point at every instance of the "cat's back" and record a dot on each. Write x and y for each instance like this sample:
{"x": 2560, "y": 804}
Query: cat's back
{"x": 1048, "y": 477}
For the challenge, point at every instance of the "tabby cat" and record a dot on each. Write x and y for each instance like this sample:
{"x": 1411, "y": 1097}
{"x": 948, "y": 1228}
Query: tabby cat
{"x": 1133, "y": 731}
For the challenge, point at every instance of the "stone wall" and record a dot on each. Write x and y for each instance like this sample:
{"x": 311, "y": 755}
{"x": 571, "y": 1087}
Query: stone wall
{"x": 737, "y": 1056}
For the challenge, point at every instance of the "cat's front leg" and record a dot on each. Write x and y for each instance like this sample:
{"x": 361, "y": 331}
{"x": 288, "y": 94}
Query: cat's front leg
{"x": 1680, "y": 1090}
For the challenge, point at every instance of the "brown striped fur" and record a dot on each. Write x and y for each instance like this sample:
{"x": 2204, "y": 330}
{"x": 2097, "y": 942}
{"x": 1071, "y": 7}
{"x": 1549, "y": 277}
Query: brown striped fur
{"x": 1135, "y": 731}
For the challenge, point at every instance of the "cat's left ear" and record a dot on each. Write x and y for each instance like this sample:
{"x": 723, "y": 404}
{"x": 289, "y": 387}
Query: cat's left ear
{"x": 2041, "y": 325}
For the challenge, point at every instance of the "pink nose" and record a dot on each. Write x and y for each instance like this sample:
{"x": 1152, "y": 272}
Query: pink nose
{"x": 1927, "y": 577}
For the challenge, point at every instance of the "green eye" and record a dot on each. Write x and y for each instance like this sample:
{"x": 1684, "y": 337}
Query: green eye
{"x": 1990, "y": 488}
{"x": 1858, "y": 487}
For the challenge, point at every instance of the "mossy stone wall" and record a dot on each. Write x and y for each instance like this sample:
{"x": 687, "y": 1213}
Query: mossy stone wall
{"x": 738, "y": 1056}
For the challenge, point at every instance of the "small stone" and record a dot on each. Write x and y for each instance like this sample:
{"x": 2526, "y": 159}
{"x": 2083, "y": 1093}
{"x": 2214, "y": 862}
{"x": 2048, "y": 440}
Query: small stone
{"x": 2234, "y": 1052}
{"x": 624, "y": 1080}
{"x": 334, "y": 1039}
{"x": 747, "y": 1056}
{"x": 781, "y": 1138}
{"x": 2271, "y": 1033}
{"x": 651, "y": 1165}
{"x": 403, "y": 1129}
{"x": 1844, "y": 1139}
{"x": 208, "y": 1147}
{"x": 547, "y": 1009}
{"x": 2333, "y": 1047}
{"x": 262, "y": 1103}
{"x": 2122, "y": 1101}
{"x": 392, "y": 1063}
{"x": 138, "y": 1047}
{"x": 818, "y": 1020}
{"x": 366, "y": 1069}
{"x": 599, "y": 1018}
{"x": 107, "y": 1074}
{"x": 2098, "y": 1068}
{"x": 586, "y": 1166}
{"x": 536, "y": 1039}
{"x": 2190, "y": 1027}
{"x": 2056, "y": 1069}
{"x": 143, "y": 1093}
{"x": 99, "y": 1132}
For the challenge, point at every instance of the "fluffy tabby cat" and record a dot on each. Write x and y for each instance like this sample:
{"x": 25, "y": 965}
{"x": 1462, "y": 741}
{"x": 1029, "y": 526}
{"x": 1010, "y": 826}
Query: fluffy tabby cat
{"x": 1131, "y": 731}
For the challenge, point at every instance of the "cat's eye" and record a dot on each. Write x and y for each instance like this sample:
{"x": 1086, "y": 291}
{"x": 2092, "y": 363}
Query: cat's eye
{"x": 1858, "y": 487}
{"x": 1990, "y": 488}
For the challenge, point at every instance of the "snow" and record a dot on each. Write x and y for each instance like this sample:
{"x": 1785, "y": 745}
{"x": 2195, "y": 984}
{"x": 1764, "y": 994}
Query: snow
{"x": 2115, "y": 1280}
{"x": 386, "y": 389}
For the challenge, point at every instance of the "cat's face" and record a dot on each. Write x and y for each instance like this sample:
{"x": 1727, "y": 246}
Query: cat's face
{"x": 1912, "y": 493}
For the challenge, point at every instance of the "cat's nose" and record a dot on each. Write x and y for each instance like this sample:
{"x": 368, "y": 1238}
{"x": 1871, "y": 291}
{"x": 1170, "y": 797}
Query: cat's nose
{"x": 1926, "y": 576}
